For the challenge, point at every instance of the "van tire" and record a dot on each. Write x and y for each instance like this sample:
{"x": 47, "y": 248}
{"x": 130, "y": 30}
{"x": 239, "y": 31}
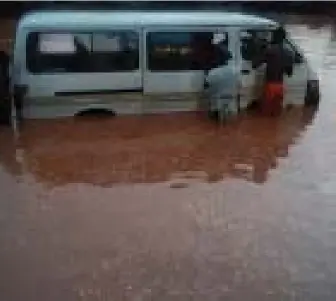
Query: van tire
{"x": 312, "y": 98}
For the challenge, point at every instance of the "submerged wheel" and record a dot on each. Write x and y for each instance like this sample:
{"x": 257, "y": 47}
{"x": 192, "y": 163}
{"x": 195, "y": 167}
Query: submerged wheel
{"x": 312, "y": 94}
{"x": 96, "y": 112}
{"x": 213, "y": 115}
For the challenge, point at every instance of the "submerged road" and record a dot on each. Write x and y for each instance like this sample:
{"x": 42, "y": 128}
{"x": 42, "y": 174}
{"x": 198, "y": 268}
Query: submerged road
{"x": 175, "y": 207}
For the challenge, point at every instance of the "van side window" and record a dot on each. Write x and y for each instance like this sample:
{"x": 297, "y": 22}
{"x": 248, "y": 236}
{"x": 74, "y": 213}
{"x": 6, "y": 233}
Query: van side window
{"x": 254, "y": 43}
{"x": 184, "y": 51}
{"x": 115, "y": 51}
{"x": 82, "y": 52}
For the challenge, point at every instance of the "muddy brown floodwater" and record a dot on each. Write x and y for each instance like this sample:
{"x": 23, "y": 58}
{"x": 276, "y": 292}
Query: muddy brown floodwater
{"x": 174, "y": 207}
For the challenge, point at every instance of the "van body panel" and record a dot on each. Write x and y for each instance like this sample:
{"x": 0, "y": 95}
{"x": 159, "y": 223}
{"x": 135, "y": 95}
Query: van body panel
{"x": 67, "y": 106}
{"x": 51, "y": 84}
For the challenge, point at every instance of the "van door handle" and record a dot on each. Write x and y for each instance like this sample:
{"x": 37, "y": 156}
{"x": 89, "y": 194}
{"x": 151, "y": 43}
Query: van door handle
{"x": 245, "y": 71}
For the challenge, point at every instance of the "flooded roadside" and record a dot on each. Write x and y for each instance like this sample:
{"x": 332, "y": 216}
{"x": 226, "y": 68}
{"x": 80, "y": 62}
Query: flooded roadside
{"x": 174, "y": 207}
{"x": 152, "y": 149}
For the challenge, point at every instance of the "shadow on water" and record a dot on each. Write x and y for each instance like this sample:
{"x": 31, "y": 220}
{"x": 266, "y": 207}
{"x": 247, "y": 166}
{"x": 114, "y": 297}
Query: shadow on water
{"x": 151, "y": 149}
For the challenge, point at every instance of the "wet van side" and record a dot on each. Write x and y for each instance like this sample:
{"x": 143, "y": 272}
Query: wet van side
{"x": 176, "y": 82}
{"x": 63, "y": 81}
{"x": 67, "y": 62}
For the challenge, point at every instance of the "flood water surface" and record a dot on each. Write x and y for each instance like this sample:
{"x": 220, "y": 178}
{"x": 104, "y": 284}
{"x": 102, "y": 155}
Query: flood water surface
{"x": 174, "y": 207}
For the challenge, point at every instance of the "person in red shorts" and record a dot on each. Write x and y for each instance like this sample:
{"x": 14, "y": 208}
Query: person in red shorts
{"x": 278, "y": 62}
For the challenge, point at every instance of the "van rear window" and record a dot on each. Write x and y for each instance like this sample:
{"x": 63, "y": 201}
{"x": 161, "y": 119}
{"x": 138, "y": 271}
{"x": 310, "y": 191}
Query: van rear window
{"x": 76, "y": 52}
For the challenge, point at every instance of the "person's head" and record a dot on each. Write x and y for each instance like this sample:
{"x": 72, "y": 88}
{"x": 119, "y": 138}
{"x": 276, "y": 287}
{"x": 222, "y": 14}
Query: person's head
{"x": 279, "y": 35}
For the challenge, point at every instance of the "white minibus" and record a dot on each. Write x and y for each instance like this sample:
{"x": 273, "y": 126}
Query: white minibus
{"x": 65, "y": 63}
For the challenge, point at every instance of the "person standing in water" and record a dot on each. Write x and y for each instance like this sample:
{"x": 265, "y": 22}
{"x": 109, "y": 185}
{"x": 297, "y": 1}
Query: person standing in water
{"x": 279, "y": 61}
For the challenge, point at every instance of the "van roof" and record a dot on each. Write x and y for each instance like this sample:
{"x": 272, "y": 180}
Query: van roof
{"x": 79, "y": 19}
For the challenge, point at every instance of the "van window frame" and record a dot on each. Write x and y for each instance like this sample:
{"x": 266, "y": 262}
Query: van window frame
{"x": 90, "y": 32}
{"x": 184, "y": 29}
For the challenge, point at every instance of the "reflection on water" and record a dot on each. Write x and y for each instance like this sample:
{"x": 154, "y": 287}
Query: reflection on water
{"x": 255, "y": 218}
{"x": 151, "y": 149}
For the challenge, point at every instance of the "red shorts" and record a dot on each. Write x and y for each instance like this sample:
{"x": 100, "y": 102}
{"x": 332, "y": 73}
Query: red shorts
{"x": 273, "y": 98}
